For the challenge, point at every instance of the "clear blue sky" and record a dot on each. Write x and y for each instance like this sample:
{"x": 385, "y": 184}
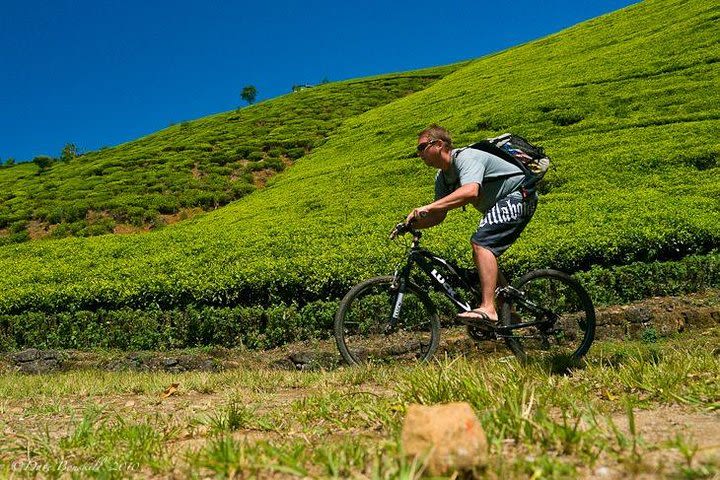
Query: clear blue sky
{"x": 99, "y": 73}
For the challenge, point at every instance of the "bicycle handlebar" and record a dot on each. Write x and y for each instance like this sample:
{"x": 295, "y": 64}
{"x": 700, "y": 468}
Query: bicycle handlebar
{"x": 402, "y": 228}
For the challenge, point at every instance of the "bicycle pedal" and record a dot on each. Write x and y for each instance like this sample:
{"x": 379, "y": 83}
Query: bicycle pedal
{"x": 481, "y": 334}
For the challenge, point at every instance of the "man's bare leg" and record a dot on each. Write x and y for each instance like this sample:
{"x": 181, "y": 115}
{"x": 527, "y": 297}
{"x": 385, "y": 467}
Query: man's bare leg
{"x": 488, "y": 270}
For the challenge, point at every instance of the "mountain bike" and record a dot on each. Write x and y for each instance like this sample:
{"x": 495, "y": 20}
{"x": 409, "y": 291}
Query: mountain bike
{"x": 546, "y": 314}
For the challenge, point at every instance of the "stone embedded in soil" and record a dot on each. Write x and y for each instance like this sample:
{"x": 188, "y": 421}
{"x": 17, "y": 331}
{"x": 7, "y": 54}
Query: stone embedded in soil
{"x": 33, "y": 360}
{"x": 29, "y": 355}
{"x": 149, "y": 363}
{"x": 40, "y": 366}
{"x": 446, "y": 438}
{"x": 665, "y": 315}
{"x": 313, "y": 360}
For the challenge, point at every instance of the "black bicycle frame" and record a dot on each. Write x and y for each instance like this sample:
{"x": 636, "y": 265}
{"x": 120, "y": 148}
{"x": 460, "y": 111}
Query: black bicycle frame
{"x": 446, "y": 283}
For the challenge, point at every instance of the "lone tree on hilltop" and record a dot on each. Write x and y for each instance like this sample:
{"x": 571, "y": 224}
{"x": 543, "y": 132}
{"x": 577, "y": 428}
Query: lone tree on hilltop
{"x": 69, "y": 152}
{"x": 43, "y": 163}
{"x": 249, "y": 92}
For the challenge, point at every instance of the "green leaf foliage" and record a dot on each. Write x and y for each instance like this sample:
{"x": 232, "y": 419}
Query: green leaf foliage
{"x": 627, "y": 105}
{"x": 206, "y": 163}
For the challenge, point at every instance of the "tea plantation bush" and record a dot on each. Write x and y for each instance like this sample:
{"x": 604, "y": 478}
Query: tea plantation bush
{"x": 182, "y": 326}
{"x": 626, "y": 209}
{"x": 201, "y": 155}
{"x": 155, "y": 329}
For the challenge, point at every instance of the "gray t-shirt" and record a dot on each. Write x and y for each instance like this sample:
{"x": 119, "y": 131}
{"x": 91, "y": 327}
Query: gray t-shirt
{"x": 497, "y": 177}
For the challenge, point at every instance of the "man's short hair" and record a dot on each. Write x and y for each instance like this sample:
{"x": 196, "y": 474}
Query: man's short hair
{"x": 436, "y": 132}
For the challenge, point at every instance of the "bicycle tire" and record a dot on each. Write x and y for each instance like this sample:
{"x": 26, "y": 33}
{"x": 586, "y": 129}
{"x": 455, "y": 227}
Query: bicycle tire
{"x": 562, "y": 298}
{"x": 364, "y": 314}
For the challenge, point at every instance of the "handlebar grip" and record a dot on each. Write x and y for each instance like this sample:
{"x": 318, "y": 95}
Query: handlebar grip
{"x": 399, "y": 229}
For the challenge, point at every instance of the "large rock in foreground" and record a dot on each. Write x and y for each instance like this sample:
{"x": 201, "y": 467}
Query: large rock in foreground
{"x": 446, "y": 437}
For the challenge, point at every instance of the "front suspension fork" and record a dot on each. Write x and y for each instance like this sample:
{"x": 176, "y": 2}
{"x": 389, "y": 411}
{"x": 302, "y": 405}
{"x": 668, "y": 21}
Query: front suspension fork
{"x": 398, "y": 289}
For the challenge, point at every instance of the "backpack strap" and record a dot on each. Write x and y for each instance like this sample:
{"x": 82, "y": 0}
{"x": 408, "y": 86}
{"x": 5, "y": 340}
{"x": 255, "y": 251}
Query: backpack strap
{"x": 456, "y": 185}
{"x": 489, "y": 147}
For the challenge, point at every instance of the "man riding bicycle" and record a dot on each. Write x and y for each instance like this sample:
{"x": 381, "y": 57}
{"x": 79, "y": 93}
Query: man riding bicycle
{"x": 494, "y": 187}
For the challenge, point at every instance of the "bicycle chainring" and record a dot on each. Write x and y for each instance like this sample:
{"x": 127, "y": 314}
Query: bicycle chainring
{"x": 481, "y": 333}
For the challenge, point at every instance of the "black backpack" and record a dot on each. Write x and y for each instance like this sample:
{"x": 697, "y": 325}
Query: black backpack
{"x": 531, "y": 159}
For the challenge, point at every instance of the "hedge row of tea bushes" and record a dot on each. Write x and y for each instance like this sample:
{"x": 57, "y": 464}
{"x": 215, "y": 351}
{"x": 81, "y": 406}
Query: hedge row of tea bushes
{"x": 260, "y": 328}
{"x": 204, "y": 163}
{"x": 155, "y": 329}
{"x": 307, "y": 259}
{"x": 636, "y": 181}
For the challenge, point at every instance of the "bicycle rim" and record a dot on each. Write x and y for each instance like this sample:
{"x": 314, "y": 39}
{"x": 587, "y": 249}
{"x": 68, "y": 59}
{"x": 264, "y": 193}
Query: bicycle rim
{"x": 564, "y": 306}
{"x": 361, "y": 324}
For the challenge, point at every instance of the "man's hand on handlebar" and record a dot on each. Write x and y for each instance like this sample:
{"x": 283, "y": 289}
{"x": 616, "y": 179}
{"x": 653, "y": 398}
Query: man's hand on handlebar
{"x": 405, "y": 227}
{"x": 419, "y": 218}
{"x": 416, "y": 214}
{"x": 400, "y": 229}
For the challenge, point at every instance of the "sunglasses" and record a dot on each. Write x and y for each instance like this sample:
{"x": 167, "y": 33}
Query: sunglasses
{"x": 422, "y": 146}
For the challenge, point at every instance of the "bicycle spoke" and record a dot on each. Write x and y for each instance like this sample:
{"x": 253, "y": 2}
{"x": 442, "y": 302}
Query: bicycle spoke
{"x": 562, "y": 314}
{"x": 362, "y": 324}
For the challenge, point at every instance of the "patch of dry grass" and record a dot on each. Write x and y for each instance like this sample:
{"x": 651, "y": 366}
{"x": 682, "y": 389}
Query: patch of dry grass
{"x": 635, "y": 408}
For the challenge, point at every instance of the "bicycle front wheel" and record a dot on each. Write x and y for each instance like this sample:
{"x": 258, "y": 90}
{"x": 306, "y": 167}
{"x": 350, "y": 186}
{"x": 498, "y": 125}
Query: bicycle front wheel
{"x": 562, "y": 315}
{"x": 363, "y": 330}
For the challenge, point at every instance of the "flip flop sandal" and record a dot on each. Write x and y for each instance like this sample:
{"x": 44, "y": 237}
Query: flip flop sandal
{"x": 477, "y": 317}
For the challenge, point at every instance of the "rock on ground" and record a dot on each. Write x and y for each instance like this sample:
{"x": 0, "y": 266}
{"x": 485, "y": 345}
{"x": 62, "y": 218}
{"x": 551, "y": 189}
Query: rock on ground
{"x": 446, "y": 438}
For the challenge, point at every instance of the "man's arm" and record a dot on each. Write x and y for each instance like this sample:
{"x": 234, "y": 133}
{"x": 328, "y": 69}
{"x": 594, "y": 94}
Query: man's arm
{"x": 434, "y": 213}
{"x": 427, "y": 221}
{"x": 462, "y": 196}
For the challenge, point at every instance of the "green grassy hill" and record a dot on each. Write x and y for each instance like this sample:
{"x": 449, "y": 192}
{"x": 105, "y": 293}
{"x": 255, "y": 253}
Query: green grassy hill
{"x": 189, "y": 167}
{"x": 626, "y": 104}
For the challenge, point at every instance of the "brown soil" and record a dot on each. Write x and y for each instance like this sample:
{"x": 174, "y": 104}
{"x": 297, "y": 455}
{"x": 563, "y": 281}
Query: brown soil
{"x": 38, "y": 230}
{"x": 168, "y": 219}
{"x": 95, "y": 215}
{"x": 666, "y": 315}
{"x": 657, "y": 431}
{"x": 184, "y": 214}
{"x": 261, "y": 177}
{"x": 287, "y": 161}
{"x": 665, "y": 423}
{"x": 235, "y": 174}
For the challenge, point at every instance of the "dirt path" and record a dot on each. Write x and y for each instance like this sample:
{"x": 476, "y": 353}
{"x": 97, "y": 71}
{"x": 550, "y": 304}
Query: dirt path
{"x": 666, "y": 436}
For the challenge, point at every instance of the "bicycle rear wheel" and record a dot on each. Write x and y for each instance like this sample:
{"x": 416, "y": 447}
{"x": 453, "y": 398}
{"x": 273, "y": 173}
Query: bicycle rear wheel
{"x": 362, "y": 324}
{"x": 564, "y": 310}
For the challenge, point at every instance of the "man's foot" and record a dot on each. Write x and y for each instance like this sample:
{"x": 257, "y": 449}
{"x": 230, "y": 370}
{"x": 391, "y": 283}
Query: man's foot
{"x": 477, "y": 317}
